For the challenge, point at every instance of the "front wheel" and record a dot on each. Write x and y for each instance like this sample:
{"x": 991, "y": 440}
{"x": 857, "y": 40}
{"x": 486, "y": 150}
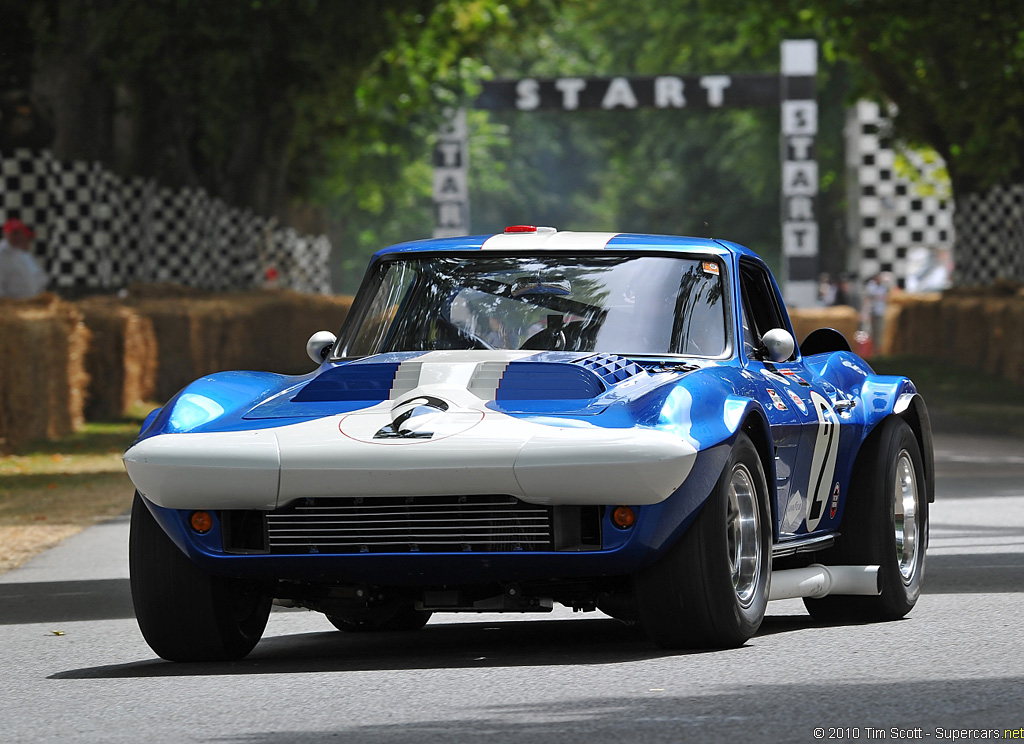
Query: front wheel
{"x": 711, "y": 589}
{"x": 184, "y": 613}
{"x": 886, "y": 524}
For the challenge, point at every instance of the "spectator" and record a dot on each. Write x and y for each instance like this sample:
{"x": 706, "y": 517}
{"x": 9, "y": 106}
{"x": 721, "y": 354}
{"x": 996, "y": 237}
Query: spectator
{"x": 844, "y": 292}
{"x": 876, "y": 297}
{"x": 20, "y": 275}
{"x": 826, "y": 290}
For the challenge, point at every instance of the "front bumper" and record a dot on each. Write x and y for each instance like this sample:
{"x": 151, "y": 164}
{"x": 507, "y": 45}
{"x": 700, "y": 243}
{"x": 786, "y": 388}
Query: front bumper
{"x": 330, "y": 457}
{"x": 604, "y": 551}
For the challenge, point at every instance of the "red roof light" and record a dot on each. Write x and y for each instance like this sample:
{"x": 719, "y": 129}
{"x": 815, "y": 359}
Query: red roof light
{"x": 520, "y": 229}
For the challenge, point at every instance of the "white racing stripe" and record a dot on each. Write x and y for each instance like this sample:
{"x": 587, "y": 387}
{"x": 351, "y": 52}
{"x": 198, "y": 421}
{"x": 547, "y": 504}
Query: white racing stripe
{"x": 549, "y": 241}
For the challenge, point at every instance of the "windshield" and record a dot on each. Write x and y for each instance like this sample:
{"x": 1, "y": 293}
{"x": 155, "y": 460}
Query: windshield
{"x": 624, "y": 304}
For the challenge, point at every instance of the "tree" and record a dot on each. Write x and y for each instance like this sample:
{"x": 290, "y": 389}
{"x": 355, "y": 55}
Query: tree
{"x": 955, "y": 72}
{"x": 711, "y": 173}
{"x": 245, "y": 98}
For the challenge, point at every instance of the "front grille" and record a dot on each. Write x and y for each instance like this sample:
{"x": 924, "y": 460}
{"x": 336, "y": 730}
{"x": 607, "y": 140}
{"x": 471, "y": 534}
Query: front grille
{"x": 438, "y": 524}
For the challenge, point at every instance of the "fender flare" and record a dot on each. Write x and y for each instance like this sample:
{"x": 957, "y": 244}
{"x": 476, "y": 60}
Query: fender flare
{"x": 911, "y": 408}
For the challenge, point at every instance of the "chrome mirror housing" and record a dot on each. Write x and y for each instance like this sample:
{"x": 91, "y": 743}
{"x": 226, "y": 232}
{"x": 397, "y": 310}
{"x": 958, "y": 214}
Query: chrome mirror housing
{"x": 320, "y": 345}
{"x": 778, "y": 345}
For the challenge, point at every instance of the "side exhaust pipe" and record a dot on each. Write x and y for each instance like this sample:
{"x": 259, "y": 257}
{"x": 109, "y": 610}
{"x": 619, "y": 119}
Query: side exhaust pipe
{"x": 817, "y": 580}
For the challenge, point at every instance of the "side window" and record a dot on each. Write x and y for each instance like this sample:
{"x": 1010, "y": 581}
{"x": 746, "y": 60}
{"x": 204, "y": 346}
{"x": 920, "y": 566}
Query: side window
{"x": 761, "y": 311}
{"x": 750, "y": 337}
{"x": 378, "y": 319}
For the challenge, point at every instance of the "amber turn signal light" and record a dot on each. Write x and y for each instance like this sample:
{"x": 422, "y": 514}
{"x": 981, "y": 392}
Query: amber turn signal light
{"x": 623, "y": 517}
{"x": 201, "y": 521}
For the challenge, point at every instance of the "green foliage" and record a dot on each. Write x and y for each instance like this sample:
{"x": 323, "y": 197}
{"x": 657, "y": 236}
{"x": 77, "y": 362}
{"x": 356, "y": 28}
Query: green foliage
{"x": 268, "y": 103}
{"x": 698, "y": 173}
{"x": 376, "y": 180}
{"x": 954, "y": 69}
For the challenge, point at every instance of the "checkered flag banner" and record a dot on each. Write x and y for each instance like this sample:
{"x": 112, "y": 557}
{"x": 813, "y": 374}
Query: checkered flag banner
{"x": 990, "y": 230}
{"x": 97, "y": 231}
{"x": 899, "y": 200}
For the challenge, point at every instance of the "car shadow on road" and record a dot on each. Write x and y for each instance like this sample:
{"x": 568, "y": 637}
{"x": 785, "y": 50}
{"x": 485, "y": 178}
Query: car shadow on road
{"x": 441, "y": 645}
{"x": 65, "y": 601}
{"x": 546, "y": 643}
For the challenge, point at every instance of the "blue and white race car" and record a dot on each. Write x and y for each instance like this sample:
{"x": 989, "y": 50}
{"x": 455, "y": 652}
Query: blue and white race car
{"x": 608, "y": 421}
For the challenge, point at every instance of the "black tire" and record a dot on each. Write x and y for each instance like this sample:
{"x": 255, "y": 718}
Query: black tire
{"x": 890, "y": 459}
{"x": 400, "y": 618}
{"x": 184, "y": 613}
{"x": 692, "y": 597}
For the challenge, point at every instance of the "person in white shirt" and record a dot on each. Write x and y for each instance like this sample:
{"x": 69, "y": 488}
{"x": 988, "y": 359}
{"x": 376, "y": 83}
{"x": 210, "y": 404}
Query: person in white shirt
{"x": 20, "y": 275}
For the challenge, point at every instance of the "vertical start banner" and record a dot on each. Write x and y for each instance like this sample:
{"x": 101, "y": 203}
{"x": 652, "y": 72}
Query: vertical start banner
{"x": 451, "y": 177}
{"x": 799, "y": 172}
{"x": 794, "y": 90}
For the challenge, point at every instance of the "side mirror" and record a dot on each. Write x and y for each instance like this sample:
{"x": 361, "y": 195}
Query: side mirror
{"x": 778, "y": 345}
{"x": 320, "y": 345}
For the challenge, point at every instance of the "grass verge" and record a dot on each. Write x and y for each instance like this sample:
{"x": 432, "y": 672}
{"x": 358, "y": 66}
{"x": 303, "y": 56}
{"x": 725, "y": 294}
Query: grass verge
{"x": 51, "y": 490}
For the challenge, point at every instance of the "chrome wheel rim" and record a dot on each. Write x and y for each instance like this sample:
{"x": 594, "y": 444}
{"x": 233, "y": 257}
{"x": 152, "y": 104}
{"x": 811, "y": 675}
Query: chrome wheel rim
{"x": 743, "y": 534}
{"x": 905, "y": 496}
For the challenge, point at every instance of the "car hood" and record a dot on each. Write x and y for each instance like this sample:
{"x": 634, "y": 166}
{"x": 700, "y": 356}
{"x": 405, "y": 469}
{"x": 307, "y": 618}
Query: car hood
{"x": 513, "y": 423}
{"x": 508, "y": 381}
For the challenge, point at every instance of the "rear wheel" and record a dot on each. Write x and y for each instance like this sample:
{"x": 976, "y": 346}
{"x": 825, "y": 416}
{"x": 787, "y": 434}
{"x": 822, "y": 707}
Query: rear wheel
{"x": 885, "y": 524}
{"x": 184, "y": 613}
{"x": 711, "y": 589}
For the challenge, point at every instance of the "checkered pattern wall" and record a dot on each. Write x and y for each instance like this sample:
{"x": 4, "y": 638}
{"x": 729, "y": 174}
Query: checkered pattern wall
{"x": 990, "y": 230}
{"x": 97, "y": 231}
{"x": 891, "y": 212}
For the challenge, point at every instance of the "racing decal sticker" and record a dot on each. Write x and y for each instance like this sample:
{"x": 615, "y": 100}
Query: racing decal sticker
{"x": 823, "y": 462}
{"x": 771, "y": 374}
{"x": 795, "y": 377}
{"x": 777, "y": 400}
{"x": 710, "y": 267}
{"x": 834, "y": 506}
{"x": 794, "y": 513}
{"x": 798, "y": 401}
{"x": 405, "y": 415}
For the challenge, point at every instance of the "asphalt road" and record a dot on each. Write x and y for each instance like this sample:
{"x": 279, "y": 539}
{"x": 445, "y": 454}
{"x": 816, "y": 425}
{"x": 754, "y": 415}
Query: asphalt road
{"x": 74, "y": 668}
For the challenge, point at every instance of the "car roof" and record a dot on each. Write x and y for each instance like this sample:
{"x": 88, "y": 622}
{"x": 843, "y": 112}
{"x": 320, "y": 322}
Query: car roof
{"x": 552, "y": 240}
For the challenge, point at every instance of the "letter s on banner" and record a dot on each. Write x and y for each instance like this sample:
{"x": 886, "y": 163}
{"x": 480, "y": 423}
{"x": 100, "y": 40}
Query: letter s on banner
{"x": 527, "y": 94}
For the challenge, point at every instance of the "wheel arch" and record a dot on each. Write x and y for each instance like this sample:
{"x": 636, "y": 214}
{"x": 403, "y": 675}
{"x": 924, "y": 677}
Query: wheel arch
{"x": 911, "y": 408}
{"x": 755, "y": 426}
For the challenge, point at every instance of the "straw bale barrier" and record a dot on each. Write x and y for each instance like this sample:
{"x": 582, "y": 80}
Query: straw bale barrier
{"x": 980, "y": 328}
{"x": 121, "y": 360}
{"x": 841, "y": 317}
{"x": 199, "y": 333}
{"x": 43, "y": 379}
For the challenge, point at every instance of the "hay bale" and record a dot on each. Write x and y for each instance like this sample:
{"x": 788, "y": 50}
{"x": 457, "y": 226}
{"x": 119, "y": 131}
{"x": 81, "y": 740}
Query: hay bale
{"x": 967, "y": 339}
{"x": 43, "y": 380}
{"x": 300, "y": 317}
{"x": 996, "y": 313}
{"x": 911, "y": 325}
{"x": 122, "y": 359}
{"x": 843, "y": 318}
{"x": 1012, "y": 342}
{"x": 262, "y": 330}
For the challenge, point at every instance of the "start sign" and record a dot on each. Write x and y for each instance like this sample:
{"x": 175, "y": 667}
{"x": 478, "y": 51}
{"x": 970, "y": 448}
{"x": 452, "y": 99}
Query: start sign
{"x": 793, "y": 90}
{"x": 661, "y": 92}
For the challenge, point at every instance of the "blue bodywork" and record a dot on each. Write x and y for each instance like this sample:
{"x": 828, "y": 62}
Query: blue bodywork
{"x": 707, "y": 402}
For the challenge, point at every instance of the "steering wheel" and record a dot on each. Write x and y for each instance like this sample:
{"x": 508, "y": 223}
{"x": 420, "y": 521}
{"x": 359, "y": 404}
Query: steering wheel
{"x": 546, "y": 340}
